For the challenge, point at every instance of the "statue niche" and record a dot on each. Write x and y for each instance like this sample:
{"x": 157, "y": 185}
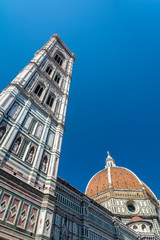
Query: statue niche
{"x": 2, "y": 131}
{"x": 44, "y": 163}
{"x": 30, "y": 155}
{"x": 16, "y": 144}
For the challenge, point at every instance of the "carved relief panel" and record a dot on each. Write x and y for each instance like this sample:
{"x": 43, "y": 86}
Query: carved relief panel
{"x": 32, "y": 219}
{"x": 13, "y": 212}
{"x": 23, "y": 215}
{"x": 4, "y": 203}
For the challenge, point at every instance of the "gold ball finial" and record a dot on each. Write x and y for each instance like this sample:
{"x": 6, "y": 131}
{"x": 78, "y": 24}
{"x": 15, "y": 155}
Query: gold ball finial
{"x": 108, "y": 153}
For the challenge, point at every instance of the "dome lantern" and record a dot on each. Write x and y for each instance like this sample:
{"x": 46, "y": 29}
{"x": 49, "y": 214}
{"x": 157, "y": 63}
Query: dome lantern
{"x": 109, "y": 161}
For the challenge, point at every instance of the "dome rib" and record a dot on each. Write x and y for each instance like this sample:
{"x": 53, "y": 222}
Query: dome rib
{"x": 109, "y": 176}
{"x": 122, "y": 178}
{"x": 149, "y": 191}
{"x": 118, "y": 178}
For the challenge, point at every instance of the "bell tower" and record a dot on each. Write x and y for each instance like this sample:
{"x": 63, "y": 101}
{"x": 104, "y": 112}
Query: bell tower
{"x": 32, "y": 122}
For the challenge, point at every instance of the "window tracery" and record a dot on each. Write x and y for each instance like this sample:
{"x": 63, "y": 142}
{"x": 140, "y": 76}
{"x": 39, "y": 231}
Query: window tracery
{"x": 50, "y": 100}
{"x": 49, "y": 70}
{"x": 39, "y": 89}
{"x": 57, "y": 78}
{"x": 58, "y": 59}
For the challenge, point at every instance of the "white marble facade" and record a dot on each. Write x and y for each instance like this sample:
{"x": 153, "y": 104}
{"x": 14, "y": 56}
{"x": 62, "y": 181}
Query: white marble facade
{"x": 32, "y": 122}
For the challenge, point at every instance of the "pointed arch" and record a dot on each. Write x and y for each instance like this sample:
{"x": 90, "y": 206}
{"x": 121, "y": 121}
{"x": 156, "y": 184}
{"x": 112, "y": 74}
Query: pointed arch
{"x": 39, "y": 89}
{"x": 59, "y": 58}
{"x": 49, "y": 70}
{"x": 50, "y": 99}
{"x": 57, "y": 78}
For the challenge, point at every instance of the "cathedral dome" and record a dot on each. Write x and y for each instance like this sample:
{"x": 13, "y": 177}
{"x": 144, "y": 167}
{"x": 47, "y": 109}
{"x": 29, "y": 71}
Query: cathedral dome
{"x": 117, "y": 181}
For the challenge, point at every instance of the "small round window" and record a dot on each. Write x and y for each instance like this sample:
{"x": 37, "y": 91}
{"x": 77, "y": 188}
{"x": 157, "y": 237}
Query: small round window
{"x": 134, "y": 227}
{"x": 131, "y": 208}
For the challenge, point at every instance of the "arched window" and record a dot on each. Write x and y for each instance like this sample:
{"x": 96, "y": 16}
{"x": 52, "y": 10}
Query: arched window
{"x": 50, "y": 100}
{"x": 2, "y": 131}
{"x": 38, "y": 90}
{"x": 58, "y": 59}
{"x": 57, "y": 78}
{"x": 48, "y": 70}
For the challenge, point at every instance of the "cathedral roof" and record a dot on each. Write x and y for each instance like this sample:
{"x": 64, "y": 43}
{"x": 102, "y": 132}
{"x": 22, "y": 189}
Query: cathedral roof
{"x": 116, "y": 178}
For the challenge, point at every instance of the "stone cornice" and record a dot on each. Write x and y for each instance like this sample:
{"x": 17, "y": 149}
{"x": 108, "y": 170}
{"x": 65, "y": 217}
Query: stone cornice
{"x": 38, "y": 104}
{"x": 55, "y": 35}
{"x": 24, "y": 187}
{"x": 66, "y": 184}
{"x": 14, "y": 235}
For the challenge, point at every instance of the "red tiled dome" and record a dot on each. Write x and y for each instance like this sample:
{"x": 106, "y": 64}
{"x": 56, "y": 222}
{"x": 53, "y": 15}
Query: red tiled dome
{"x": 117, "y": 178}
{"x": 121, "y": 178}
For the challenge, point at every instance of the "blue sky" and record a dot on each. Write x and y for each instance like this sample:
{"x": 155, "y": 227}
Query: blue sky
{"x": 114, "y": 95}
